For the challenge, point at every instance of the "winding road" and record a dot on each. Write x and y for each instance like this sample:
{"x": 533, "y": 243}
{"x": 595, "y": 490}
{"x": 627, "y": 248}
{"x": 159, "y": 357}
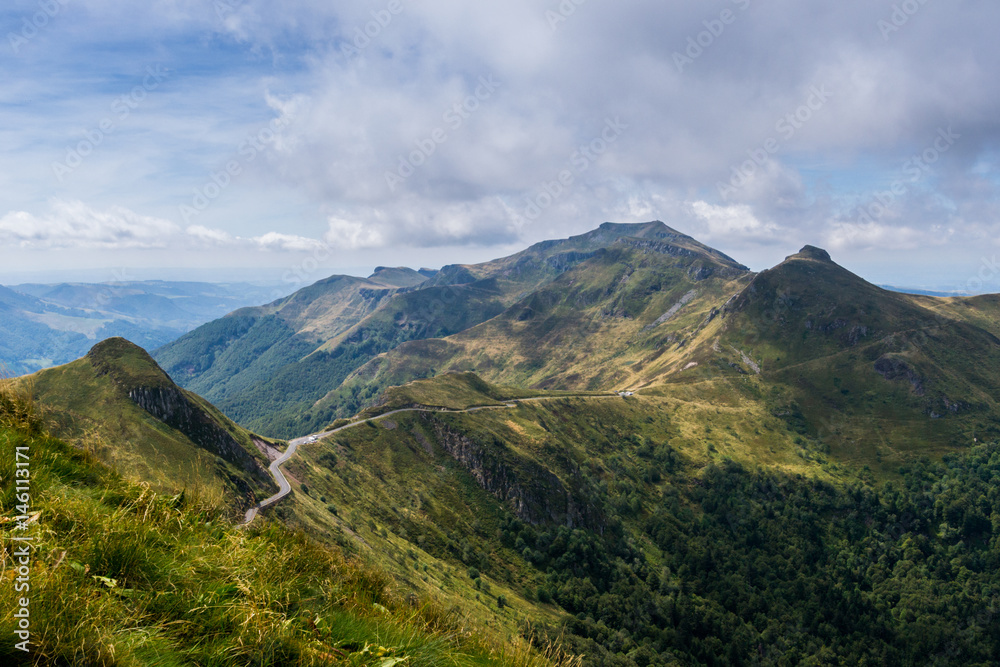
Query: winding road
{"x": 284, "y": 487}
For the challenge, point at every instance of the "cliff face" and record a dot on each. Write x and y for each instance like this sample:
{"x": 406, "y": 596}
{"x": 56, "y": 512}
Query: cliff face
{"x": 172, "y": 407}
{"x": 535, "y": 494}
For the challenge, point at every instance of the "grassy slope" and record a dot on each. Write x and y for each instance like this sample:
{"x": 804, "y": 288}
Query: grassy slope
{"x": 84, "y": 404}
{"x": 453, "y": 391}
{"x": 427, "y": 516}
{"x": 875, "y": 376}
{"x": 225, "y": 356}
{"x": 435, "y": 498}
{"x": 267, "y": 366}
{"x": 598, "y": 326}
{"x": 879, "y": 376}
{"x": 123, "y": 576}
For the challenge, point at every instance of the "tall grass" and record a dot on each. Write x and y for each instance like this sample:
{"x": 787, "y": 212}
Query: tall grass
{"x": 122, "y": 575}
{"x": 18, "y": 410}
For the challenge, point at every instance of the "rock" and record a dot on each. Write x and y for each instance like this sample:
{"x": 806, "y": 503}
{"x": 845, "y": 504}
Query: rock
{"x": 894, "y": 368}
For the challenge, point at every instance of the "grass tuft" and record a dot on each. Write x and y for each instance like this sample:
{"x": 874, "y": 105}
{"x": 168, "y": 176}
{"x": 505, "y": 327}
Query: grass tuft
{"x": 123, "y": 575}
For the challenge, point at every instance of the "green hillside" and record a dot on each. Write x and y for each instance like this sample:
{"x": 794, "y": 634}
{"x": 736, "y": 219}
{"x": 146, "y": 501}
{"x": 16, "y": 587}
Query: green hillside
{"x": 120, "y": 406}
{"x": 627, "y": 445}
{"x": 659, "y": 530}
{"x": 876, "y": 375}
{"x": 266, "y": 367}
{"x": 121, "y": 575}
{"x": 592, "y": 328}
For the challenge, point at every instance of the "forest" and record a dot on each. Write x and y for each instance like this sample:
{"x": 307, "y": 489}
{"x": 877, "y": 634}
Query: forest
{"x": 746, "y": 567}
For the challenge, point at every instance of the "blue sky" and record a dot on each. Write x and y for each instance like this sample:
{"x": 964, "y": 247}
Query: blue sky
{"x": 298, "y": 139}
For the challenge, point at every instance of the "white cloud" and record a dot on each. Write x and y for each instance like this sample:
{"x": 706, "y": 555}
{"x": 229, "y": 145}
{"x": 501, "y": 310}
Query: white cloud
{"x": 875, "y": 235}
{"x": 74, "y": 224}
{"x": 350, "y": 118}
{"x": 735, "y": 221}
{"x": 210, "y": 236}
{"x": 353, "y": 234}
{"x": 289, "y": 242}
{"x": 415, "y": 222}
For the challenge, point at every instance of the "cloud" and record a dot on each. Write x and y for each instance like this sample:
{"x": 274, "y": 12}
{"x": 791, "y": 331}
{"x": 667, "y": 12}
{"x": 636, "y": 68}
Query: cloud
{"x": 874, "y": 235}
{"x": 734, "y": 222}
{"x": 411, "y": 221}
{"x": 74, "y": 224}
{"x": 367, "y": 92}
{"x": 686, "y": 128}
{"x": 286, "y": 242}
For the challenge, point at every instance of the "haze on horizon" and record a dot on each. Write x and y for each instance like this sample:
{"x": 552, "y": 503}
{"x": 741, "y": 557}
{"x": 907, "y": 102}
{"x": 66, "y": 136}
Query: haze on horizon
{"x": 237, "y": 137}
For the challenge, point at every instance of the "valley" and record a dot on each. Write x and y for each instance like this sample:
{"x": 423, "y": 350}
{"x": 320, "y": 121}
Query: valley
{"x": 44, "y": 325}
{"x": 618, "y": 449}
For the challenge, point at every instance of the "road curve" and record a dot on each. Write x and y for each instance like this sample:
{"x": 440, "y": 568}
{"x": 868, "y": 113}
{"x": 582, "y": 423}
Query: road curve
{"x": 284, "y": 487}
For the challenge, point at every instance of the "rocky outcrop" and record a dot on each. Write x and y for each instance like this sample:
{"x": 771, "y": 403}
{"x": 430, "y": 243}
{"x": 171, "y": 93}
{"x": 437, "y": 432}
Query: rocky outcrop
{"x": 567, "y": 260}
{"x": 684, "y": 300}
{"x": 666, "y": 248}
{"x": 173, "y": 408}
{"x": 535, "y": 494}
{"x": 893, "y": 368}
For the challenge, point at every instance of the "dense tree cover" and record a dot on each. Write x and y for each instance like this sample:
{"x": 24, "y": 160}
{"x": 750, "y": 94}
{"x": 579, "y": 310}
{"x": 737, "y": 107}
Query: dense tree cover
{"x": 740, "y": 567}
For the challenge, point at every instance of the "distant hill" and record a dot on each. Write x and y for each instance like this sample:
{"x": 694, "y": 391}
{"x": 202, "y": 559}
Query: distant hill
{"x": 605, "y": 320}
{"x": 117, "y": 403}
{"x": 623, "y": 306}
{"x": 266, "y": 367}
{"x": 921, "y": 291}
{"x": 47, "y": 325}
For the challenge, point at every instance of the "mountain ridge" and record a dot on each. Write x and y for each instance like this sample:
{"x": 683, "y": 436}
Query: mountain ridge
{"x": 333, "y": 327}
{"x": 827, "y": 444}
{"x": 118, "y": 403}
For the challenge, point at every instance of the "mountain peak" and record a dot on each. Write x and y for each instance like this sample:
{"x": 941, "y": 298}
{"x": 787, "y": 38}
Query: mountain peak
{"x": 128, "y": 364}
{"x": 640, "y": 228}
{"x": 397, "y": 276}
{"x": 812, "y": 252}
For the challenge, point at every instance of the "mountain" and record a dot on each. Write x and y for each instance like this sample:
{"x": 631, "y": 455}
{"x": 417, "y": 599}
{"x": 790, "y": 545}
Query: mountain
{"x": 623, "y": 446}
{"x": 872, "y": 371}
{"x": 26, "y": 343}
{"x": 592, "y": 327}
{"x": 273, "y": 368}
{"x": 839, "y": 354}
{"x": 622, "y": 307}
{"x": 118, "y": 404}
{"x": 693, "y": 526}
{"x": 47, "y": 325}
{"x": 119, "y": 574}
{"x": 799, "y": 457}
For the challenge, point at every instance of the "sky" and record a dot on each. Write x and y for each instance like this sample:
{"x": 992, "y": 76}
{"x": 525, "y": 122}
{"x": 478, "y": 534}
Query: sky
{"x": 293, "y": 140}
